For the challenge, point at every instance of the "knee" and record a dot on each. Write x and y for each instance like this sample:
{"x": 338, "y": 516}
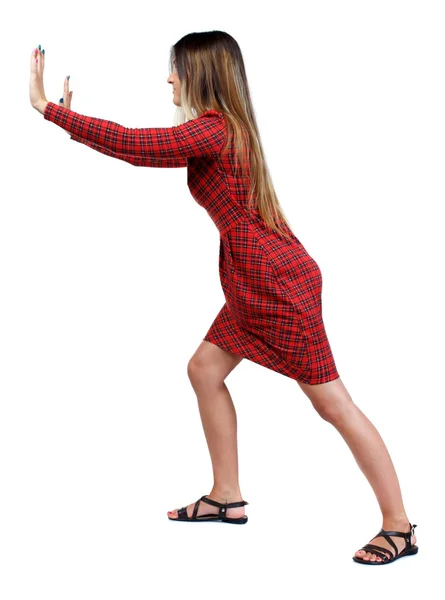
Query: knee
{"x": 331, "y": 400}
{"x": 333, "y": 407}
{"x": 202, "y": 372}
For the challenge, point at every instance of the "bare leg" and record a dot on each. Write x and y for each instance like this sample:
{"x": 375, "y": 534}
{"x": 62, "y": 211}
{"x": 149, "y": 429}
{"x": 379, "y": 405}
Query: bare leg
{"x": 334, "y": 404}
{"x": 207, "y": 370}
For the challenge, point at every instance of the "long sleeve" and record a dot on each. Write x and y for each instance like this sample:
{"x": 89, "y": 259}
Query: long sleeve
{"x": 201, "y": 137}
{"x": 137, "y": 161}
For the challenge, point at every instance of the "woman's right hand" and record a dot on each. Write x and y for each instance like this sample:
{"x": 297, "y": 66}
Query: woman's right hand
{"x": 67, "y": 95}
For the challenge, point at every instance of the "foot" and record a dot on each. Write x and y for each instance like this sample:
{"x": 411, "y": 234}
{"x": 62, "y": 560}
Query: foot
{"x": 208, "y": 509}
{"x": 388, "y": 525}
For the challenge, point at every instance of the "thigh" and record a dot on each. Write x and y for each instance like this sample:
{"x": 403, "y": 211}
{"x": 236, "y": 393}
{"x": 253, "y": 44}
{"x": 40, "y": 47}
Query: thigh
{"x": 212, "y": 358}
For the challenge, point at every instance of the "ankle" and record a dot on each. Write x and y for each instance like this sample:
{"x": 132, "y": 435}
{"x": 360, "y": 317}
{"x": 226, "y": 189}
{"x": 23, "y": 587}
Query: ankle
{"x": 227, "y": 494}
{"x": 391, "y": 521}
{"x": 396, "y": 519}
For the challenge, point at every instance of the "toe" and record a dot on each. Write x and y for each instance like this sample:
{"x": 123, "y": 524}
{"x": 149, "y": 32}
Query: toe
{"x": 173, "y": 514}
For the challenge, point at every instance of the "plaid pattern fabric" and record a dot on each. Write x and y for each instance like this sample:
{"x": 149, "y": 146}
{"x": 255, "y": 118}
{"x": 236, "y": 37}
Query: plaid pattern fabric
{"x": 272, "y": 313}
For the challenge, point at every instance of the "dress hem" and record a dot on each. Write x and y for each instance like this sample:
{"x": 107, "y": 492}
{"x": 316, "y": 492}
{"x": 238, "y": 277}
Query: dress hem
{"x": 302, "y": 379}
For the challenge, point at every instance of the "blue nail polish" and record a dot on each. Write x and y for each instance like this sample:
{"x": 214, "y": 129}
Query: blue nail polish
{"x": 61, "y": 100}
{"x": 68, "y": 77}
{"x": 40, "y": 46}
{"x": 43, "y": 51}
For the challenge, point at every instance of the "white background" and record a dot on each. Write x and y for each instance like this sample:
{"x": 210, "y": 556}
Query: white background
{"x": 109, "y": 282}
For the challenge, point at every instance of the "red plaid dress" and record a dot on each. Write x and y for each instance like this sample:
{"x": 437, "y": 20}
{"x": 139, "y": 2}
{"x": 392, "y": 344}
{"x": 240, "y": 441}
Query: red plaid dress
{"x": 272, "y": 313}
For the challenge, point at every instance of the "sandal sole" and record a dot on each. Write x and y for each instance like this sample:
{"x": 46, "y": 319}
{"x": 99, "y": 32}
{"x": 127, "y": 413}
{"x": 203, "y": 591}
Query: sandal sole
{"x": 240, "y": 521}
{"x": 413, "y": 550}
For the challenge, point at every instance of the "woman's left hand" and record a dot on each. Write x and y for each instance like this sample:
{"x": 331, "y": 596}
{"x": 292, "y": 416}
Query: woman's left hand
{"x": 36, "y": 89}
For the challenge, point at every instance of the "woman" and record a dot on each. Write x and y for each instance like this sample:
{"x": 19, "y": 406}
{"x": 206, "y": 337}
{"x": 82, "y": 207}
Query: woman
{"x": 272, "y": 287}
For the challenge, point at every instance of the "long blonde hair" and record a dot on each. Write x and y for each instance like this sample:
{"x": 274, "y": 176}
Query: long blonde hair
{"x": 211, "y": 71}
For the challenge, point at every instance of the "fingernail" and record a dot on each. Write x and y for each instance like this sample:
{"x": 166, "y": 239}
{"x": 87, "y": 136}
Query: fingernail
{"x": 43, "y": 51}
{"x": 39, "y": 46}
{"x": 68, "y": 77}
{"x": 37, "y": 60}
{"x": 61, "y": 100}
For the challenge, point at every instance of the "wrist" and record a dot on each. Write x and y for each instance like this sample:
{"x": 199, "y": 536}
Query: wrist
{"x": 41, "y": 106}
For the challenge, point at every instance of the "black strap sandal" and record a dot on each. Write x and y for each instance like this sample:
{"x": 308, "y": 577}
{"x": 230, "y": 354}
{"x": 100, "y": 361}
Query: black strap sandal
{"x": 221, "y": 516}
{"x": 409, "y": 548}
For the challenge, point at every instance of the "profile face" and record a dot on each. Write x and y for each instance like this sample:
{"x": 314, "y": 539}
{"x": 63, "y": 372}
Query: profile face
{"x": 176, "y": 84}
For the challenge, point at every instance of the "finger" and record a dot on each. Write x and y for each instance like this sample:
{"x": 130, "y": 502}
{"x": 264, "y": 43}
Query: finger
{"x": 39, "y": 64}
{"x": 40, "y": 69}
{"x": 65, "y": 97}
{"x": 34, "y": 56}
{"x": 33, "y": 59}
{"x": 66, "y": 90}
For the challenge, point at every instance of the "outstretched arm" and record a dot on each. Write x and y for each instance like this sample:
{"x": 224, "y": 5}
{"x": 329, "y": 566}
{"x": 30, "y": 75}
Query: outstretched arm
{"x": 201, "y": 137}
{"x": 137, "y": 161}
